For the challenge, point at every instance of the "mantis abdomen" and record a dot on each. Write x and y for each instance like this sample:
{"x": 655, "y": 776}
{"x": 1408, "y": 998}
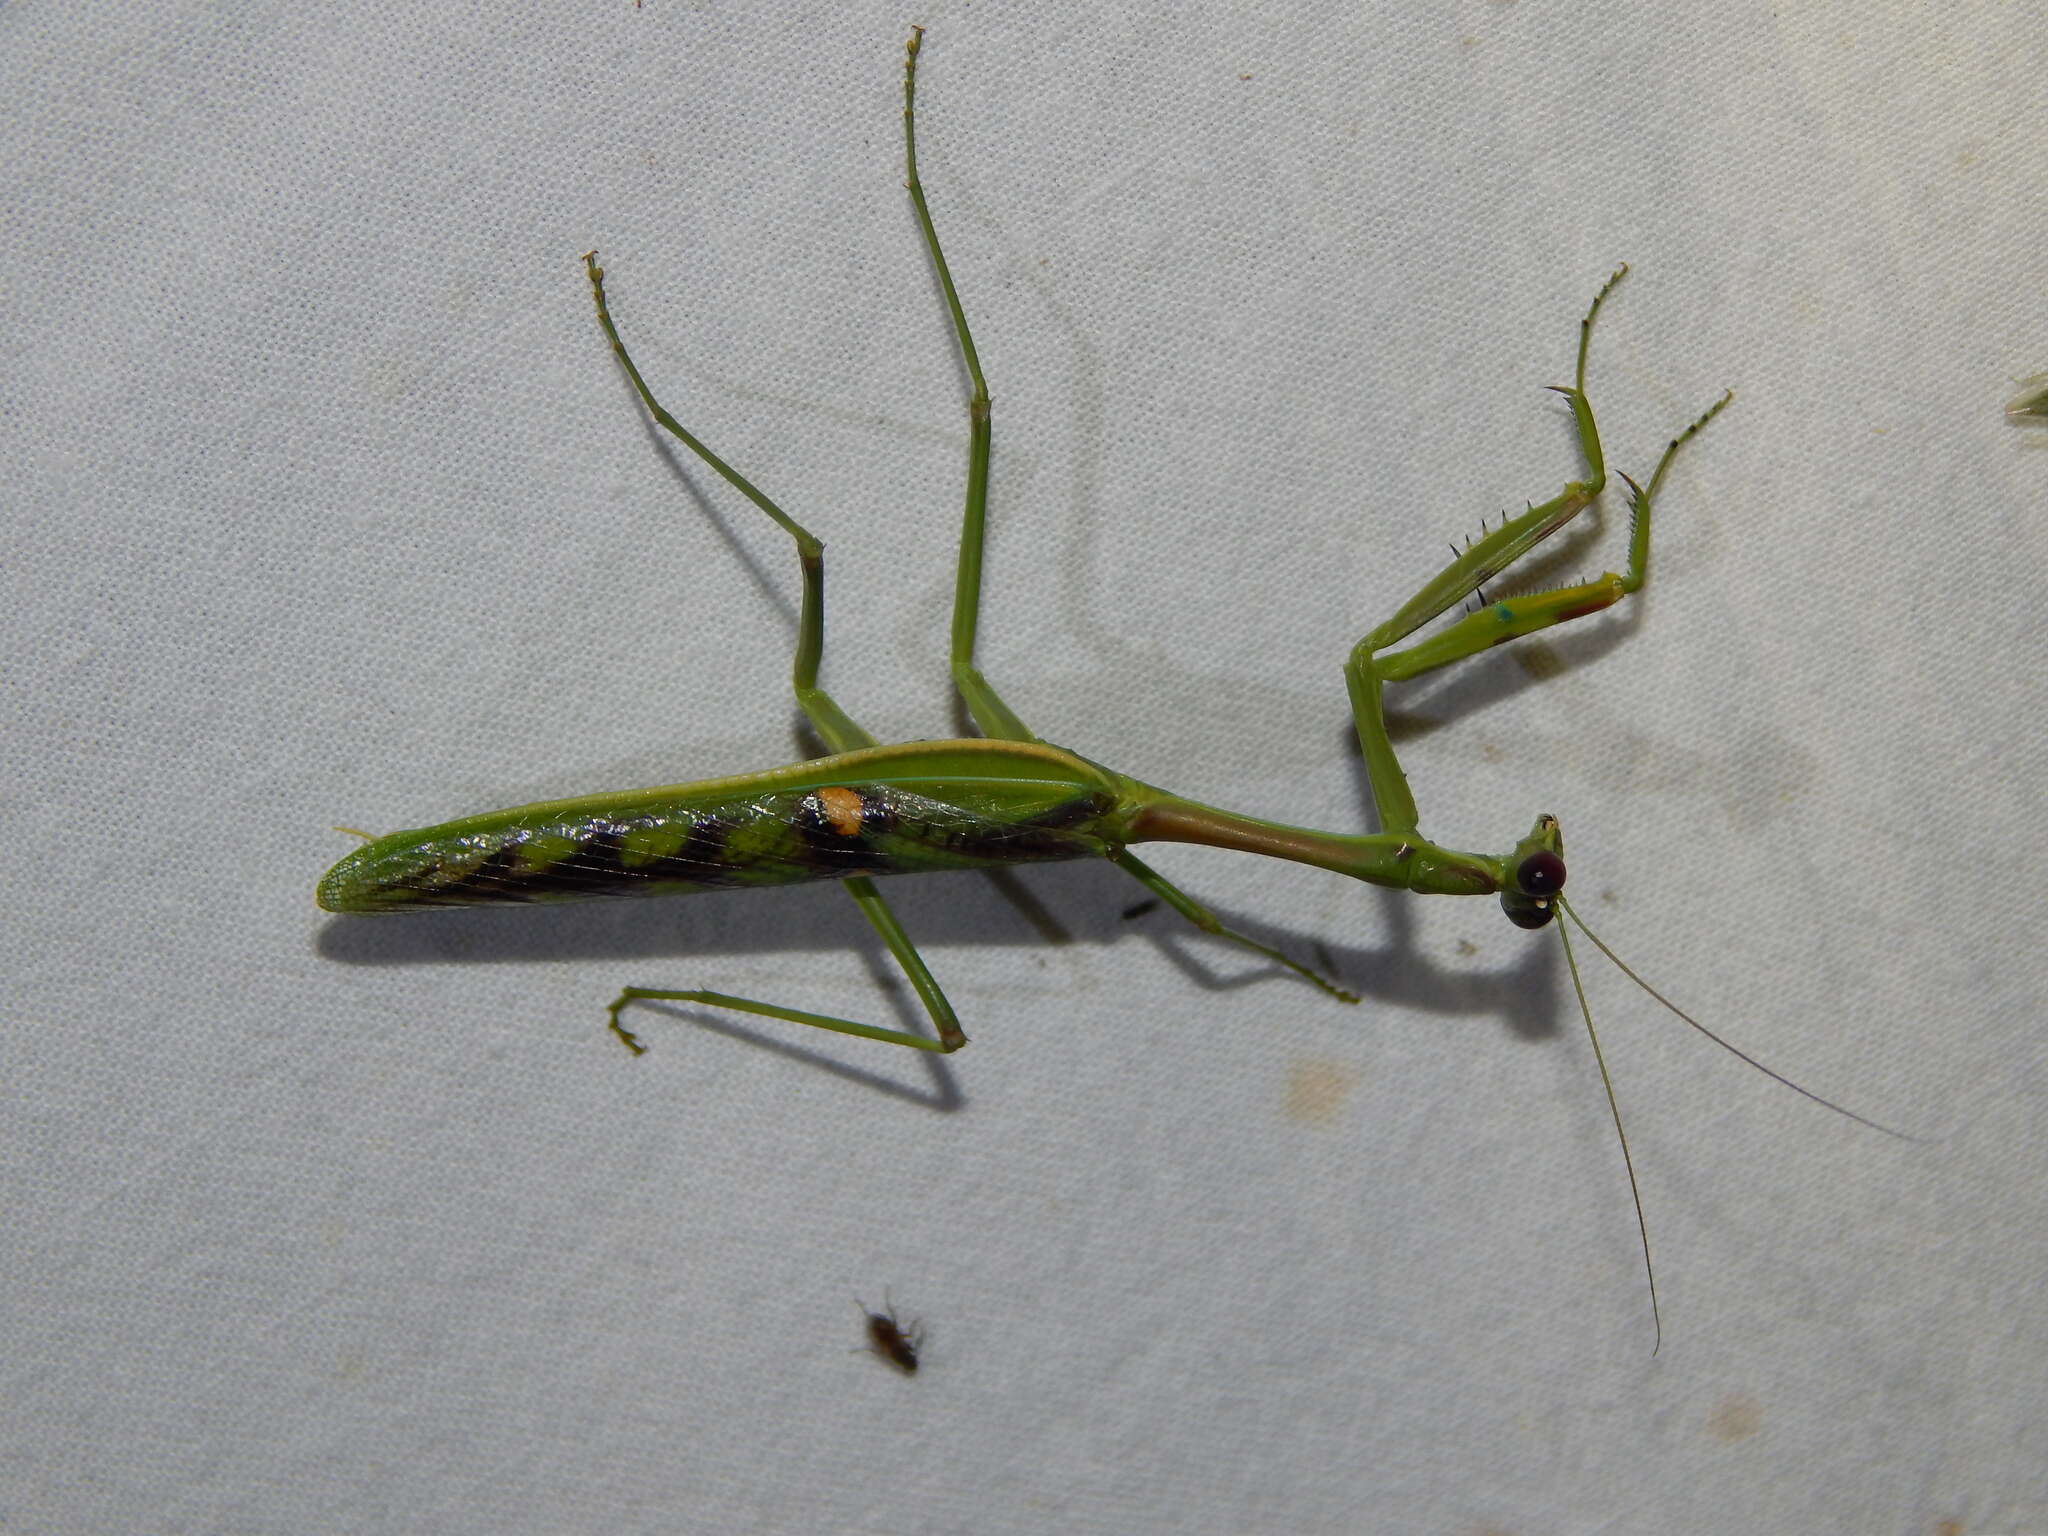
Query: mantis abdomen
{"x": 886, "y": 811}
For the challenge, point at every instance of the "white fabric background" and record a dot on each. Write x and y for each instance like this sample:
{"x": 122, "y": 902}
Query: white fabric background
{"x": 325, "y": 504}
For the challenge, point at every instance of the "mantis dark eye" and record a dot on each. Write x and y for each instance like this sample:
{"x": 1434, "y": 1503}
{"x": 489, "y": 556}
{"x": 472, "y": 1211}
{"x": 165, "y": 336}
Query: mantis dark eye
{"x": 1540, "y": 874}
{"x": 1526, "y": 900}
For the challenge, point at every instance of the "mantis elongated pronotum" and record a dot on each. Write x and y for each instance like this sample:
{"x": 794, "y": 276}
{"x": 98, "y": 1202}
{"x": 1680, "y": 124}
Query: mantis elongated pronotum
{"x": 1009, "y": 797}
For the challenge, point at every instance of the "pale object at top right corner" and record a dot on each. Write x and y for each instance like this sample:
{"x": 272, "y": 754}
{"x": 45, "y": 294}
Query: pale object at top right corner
{"x": 2029, "y": 408}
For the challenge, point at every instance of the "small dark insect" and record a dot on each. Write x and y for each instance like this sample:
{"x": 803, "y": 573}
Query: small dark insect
{"x": 1133, "y": 913}
{"x": 891, "y": 1340}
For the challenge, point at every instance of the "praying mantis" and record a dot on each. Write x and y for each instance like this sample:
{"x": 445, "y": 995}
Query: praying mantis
{"x": 1009, "y": 797}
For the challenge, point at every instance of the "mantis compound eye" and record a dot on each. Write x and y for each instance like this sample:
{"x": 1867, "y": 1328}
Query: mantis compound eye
{"x": 1537, "y": 878}
{"x": 1540, "y": 874}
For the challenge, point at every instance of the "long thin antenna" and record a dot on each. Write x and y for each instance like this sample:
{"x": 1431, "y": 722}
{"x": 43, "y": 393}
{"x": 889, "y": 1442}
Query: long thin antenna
{"x": 1733, "y": 1050}
{"x": 1634, "y": 1189}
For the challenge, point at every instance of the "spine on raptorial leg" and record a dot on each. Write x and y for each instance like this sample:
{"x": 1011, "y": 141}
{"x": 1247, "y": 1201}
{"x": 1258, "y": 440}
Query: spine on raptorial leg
{"x": 918, "y": 808}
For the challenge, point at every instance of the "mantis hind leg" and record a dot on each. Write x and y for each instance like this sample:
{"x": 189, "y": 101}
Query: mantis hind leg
{"x": 832, "y": 724}
{"x": 987, "y": 708}
{"x": 877, "y": 911}
{"x": 1368, "y": 670}
{"x": 995, "y": 718}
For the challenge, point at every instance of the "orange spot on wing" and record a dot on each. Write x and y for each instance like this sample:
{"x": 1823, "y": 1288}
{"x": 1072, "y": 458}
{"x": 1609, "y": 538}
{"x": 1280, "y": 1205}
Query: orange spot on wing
{"x": 842, "y": 809}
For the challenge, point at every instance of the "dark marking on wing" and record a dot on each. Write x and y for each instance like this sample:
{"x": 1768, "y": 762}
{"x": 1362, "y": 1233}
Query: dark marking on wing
{"x": 830, "y": 833}
{"x": 840, "y": 827}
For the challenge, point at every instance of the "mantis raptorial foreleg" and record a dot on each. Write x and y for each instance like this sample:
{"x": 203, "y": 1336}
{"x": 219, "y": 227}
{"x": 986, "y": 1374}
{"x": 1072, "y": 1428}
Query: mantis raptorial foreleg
{"x": 1368, "y": 670}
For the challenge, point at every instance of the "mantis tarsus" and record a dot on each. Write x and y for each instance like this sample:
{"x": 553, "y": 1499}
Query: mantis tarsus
{"x": 1009, "y": 797}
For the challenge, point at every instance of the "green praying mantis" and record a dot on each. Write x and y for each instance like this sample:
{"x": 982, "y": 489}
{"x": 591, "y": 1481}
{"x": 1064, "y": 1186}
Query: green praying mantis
{"x": 1009, "y": 797}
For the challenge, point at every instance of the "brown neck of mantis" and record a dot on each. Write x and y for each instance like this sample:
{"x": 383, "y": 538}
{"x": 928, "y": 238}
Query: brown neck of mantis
{"x": 1407, "y": 863}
